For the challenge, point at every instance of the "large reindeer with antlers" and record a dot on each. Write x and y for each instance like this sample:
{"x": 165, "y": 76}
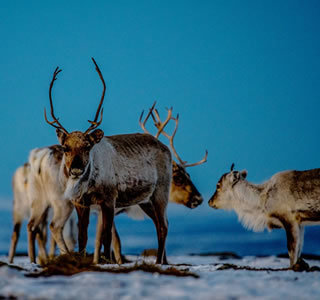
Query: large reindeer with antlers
{"x": 113, "y": 172}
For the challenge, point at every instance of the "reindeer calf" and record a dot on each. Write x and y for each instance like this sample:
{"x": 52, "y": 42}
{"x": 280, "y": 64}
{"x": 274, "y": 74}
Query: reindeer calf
{"x": 289, "y": 200}
{"x": 31, "y": 199}
{"x": 46, "y": 189}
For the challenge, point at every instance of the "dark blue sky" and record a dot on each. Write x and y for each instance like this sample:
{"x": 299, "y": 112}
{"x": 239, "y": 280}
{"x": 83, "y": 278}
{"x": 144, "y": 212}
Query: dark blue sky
{"x": 244, "y": 76}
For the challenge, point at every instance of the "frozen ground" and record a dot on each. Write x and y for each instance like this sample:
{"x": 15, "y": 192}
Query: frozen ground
{"x": 190, "y": 231}
{"x": 212, "y": 283}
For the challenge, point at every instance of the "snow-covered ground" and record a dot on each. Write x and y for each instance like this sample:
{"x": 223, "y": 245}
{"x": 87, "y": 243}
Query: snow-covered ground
{"x": 190, "y": 231}
{"x": 212, "y": 283}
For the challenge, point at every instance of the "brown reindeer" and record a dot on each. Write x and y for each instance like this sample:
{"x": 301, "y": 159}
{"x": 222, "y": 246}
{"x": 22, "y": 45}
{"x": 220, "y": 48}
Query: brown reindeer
{"x": 113, "y": 172}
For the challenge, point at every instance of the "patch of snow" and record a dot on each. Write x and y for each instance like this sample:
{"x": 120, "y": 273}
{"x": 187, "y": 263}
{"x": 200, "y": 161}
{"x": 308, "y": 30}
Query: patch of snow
{"x": 212, "y": 284}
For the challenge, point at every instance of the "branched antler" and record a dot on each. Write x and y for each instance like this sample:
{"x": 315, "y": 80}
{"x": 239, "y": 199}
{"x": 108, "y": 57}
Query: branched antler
{"x": 143, "y": 124}
{"x": 55, "y": 120}
{"x": 153, "y": 112}
{"x": 95, "y": 123}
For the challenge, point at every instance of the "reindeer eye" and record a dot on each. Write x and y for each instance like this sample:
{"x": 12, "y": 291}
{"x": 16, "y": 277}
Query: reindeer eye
{"x": 178, "y": 180}
{"x": 65, "y": 149}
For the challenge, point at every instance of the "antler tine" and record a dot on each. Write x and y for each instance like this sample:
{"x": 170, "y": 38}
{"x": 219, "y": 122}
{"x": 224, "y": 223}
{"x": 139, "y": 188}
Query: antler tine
{"x": 202, "y": 161}
{"x": 171, "y": 138}
{"x": 161, "y": 125}
{"x": 55, "y": 120}
{"x": 143, "y": 124}
{"x": 94, "y": 123}
{"x": 157, "y": 123}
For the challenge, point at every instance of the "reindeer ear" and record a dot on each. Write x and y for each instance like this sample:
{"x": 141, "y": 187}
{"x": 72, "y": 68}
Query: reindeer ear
{"x": 243, "y": 174}
{"x": 61, "y": 136}
{"x": 96, "y": 136}
{"x": 235, "y": 177}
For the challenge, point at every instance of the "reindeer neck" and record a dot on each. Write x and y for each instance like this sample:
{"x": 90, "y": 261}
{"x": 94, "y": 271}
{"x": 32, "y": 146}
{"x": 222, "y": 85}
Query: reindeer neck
{"x": 248, "y": 194}
{"x": 248, "y": 205}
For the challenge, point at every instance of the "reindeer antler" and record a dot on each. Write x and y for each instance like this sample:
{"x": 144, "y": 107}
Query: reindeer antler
{"x": 55, "y": 120}
{"x": 94, "y": 123}
{"x": 161, "y": 125}
{"x": 143, "y": 124}
{"x": 183, "y": 163}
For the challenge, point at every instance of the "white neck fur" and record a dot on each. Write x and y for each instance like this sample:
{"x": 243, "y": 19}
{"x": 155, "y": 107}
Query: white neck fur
{"x": 248, "y": 205}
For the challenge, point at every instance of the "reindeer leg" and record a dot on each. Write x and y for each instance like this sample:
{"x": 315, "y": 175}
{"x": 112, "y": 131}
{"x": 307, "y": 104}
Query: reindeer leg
{"x": 69, "y": 234}
{"x": 83, "y": 223}
{"x": 43, "y": 256}
{"x": 294, "y": 244}
{"x": 301, "y": 238}
{"x": 37, "y": 217}
{"x": 116, "y": 245}
{"x": 301, "y": 264}
{"x": 41, "y": 237}
{"x": 60, "y": 216}
{"x": 31, "y": 242}
{"x": 162, "y": 229}
{"x": 14, "y": 240}
{"x": 104, "y": 232}
{"x": 53, "y": 244}
{"x": 98, "y": 241}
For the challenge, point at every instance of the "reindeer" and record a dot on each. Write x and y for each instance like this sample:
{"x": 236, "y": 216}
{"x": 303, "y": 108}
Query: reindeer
{"x": 289, "y": 200}
{"x": 21, "y": 209}
{"x": 113, "y": 172}
{"x": 31, "y": 199}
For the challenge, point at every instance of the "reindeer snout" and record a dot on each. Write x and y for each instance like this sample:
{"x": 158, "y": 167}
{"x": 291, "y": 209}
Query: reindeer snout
{"x": 196, "y": 201}
{"x": 211, "y": 203}
{"x": 75, "y": 172}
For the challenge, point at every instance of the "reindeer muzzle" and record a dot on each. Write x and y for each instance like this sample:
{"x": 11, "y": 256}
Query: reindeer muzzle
{"x": 195, "y": 201}
{"x": 212, "y": 204}
{"x": 75, "y": 172}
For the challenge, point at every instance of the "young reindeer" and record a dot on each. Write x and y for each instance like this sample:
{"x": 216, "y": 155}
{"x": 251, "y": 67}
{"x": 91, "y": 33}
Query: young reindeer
{"x": 114, "y": 172}
{"x": 289, "y": 200}
{"x": 22, "y": 208}
{"x": 34, "y": 190}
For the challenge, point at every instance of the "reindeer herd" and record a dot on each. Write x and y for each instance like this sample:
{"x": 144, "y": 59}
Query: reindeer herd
{"x": 135, "y": 174}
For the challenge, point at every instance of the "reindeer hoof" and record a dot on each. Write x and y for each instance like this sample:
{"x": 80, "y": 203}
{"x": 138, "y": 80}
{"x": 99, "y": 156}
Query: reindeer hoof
{"x": 83, "y": 253}
{"x": 106, "y": 260}
{"x": 300, "y": 266}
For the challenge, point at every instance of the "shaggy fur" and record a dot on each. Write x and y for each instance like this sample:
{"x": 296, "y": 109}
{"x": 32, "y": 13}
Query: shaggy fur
{"x": 289, "y": 200}
{"x": 37, "y": 187}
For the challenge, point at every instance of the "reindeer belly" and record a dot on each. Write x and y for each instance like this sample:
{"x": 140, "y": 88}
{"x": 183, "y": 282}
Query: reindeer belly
{"x": 132, "y": 195}
{"x": 308, "y": 217}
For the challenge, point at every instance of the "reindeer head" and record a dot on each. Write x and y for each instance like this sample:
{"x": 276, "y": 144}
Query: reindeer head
{"x": 222, "y": 198}
{"x": 182, "y": 189}
{"x": 77, "y": 145}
